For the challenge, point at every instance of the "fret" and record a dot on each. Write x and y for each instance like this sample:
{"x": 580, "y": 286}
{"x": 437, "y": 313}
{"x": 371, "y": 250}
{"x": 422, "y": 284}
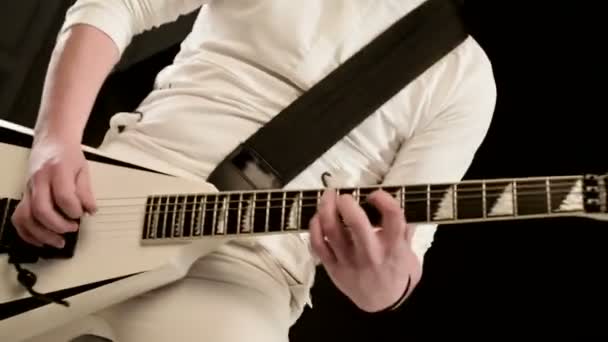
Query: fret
{"x": 514, "y": 198}
{"x": 188, "y": 215}
{"x": 548, "y": 197}
{"x": 267, "y": 222}
{"x": 300, "y": 201}
{"x": 153, "y": 233}
{"x": 455, "y": 202}
{"x": 293, "y": 213}
{"x": 428, "y": 203}
{"x": 357, "y": 195}
{"x": 162, "y": 217}
{"x": 365, "y": 192}
{"x": 198, "y": 215}
{"x": 470, "y": 201}
{"x": 372, "y": 213}
{"x": 147, "y": 218}
{"x": 251, "y": 209}
{"x": 214, "y": 218}
{"x": 484, "y": 201}
{"x": 208, "y": 214}
{"x": 239, "y": 218}
{"x": 259, "y": 212}
{"x": 499, "y": 198}
{"x": 531, "y": 197}
{"x": 416, "y": 203}
{"x": 394, "y": 191}
{"x": 245, "y": 213}
{"x": 440, "y": 202}
{"x": 283, "y": 207}
{"x": 309, "y": 203}
{"x": 179, "y": 216}
{"x": 276, "y": 211}
{"x": 402, "y": 197}
{"x": 232, "y": 215}
{"x": 560, "y": 194}
{"x": 222, "y": 214}
{"x": 172, "y": 215}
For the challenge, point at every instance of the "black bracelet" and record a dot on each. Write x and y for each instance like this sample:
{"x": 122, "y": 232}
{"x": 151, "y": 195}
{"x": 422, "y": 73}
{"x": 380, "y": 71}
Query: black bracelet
{"x": 401, "y": 299}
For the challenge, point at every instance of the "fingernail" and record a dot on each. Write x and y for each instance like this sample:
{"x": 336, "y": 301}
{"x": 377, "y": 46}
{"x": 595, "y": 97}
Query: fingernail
{"x": 59, "y": 243}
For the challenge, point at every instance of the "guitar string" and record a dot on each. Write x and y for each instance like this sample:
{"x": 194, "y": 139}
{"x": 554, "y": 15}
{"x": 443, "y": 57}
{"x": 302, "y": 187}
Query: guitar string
{"x": 304, "y": 195}
{"x": 222, "y": 212}
{"x": 434, "y": 188}
{"x": 198, "y": 224}
{"x": 264, "y": 201}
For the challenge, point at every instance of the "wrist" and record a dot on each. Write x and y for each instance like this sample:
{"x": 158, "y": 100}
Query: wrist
{"x": 413, "y": 278}
{"x": 403, "y": 298}
{"x": 58, "y": 129}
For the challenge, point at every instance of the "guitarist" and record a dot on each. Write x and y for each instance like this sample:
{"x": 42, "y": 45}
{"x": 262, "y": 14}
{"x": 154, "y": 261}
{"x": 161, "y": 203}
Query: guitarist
{"x": 242, "y": 63}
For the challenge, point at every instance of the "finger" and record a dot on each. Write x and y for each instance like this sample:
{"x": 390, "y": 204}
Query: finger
{"x": 31, "y": 231}
{"x": 332, "y": 226}
{"x": 393, "y": 219}
{"x": 18, "y": 219}
{"x": 42, "y": 209}
{"x": 317, "y": 240}
{"x": 63, "y": 189}
{"x": 25, "y": 235}
{"x": 410, "y": 230}
{"x": 37, "y": 231}
{"x": 356, "y": 219}
{"x": 84, "y": 190}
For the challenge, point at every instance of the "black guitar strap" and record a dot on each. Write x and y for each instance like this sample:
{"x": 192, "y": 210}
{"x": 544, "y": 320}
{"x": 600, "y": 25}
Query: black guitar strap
{"x": 315, "y": 121}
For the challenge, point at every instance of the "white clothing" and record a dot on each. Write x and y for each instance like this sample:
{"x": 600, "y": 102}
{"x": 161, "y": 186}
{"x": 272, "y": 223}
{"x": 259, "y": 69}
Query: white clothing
{"x": 246, "y": 60}
{"x": 239, "y": 294}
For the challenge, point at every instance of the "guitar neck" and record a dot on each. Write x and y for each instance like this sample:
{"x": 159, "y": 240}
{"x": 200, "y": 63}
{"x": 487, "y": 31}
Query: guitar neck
{"x": 233, "y": 213}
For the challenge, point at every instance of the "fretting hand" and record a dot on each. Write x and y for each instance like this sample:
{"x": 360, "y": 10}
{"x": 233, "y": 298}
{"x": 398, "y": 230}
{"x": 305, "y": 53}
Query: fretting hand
{"x": 370, "y": 265}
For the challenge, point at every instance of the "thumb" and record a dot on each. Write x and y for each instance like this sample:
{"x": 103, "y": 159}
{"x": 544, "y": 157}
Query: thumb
{"x": 84, "y": 190}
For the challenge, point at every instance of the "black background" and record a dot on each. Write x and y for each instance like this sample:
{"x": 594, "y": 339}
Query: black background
{"x": 550, "y": 72}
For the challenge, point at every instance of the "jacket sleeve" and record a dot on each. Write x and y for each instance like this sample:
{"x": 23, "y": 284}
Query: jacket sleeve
{"x": 444, "y": 145}
{"x": 121, "y": 20}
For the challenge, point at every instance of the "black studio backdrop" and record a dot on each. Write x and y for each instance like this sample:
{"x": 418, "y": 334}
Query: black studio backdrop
{"x": 532, "y": 278}
{"x": 520, "y": 278}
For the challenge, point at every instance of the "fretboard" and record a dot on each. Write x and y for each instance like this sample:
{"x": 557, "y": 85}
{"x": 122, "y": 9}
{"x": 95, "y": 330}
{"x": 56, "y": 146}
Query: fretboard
{"x": 191, "y": 216}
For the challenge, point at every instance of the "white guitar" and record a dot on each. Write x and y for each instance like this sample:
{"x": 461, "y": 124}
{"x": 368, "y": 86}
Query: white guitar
{"x": 151, "y": 227}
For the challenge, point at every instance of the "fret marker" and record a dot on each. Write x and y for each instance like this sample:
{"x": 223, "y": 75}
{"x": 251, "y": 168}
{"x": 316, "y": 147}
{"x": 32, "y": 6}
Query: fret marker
{"x": 220, "y": 227}
{"x": 504, "y": 204}
{"x": 446, "y": 206}
{"x": 247, "y": 220}
{"x": 574, "y": 200}
{"x": 293, "y": 220}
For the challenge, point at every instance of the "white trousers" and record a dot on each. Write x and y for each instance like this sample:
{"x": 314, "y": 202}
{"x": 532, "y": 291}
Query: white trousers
{"x": 241, "y": 292}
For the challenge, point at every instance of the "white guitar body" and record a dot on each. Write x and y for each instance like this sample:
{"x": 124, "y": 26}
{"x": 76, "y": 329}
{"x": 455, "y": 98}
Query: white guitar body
{"x": 109, "y": 246}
